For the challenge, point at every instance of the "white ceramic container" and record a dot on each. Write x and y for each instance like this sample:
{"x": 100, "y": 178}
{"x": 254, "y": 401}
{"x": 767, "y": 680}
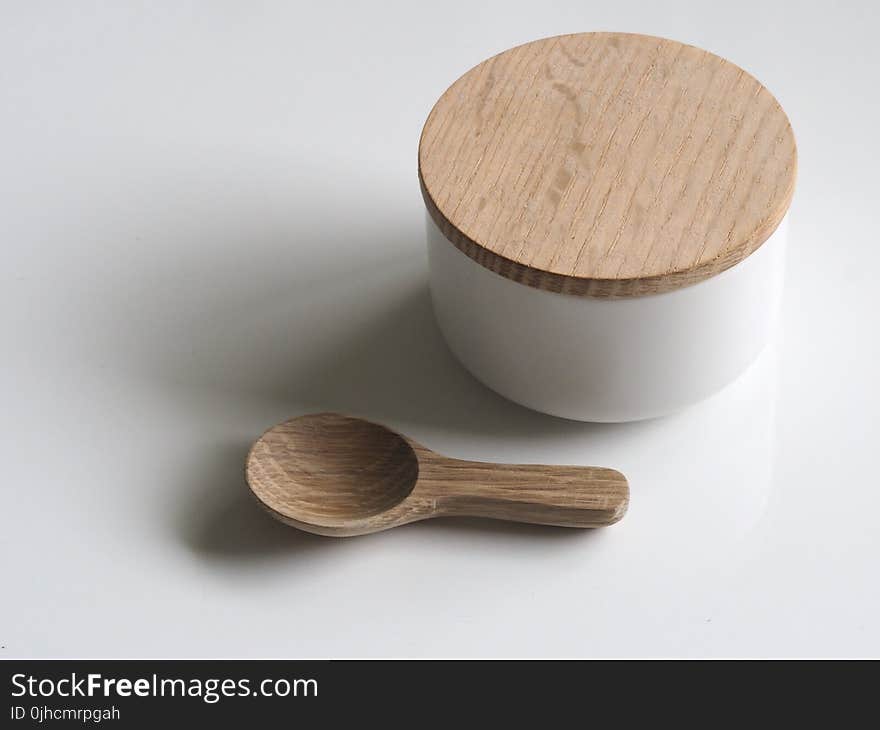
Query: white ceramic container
{"x": 593, "y": 359}
{"x": 601, "y": 255}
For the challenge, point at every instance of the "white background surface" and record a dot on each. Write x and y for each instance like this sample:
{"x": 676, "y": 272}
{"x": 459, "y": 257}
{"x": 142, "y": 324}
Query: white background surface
{"x": 210, "y": 222}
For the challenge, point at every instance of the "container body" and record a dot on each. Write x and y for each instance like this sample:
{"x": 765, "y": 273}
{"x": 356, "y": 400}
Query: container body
{"x": 593, "y": 359}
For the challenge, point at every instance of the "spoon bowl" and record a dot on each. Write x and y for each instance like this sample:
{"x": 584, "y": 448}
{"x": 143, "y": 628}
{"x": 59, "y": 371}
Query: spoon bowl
{"x": 326, "y": 467}
{"x": 336, "y": 475}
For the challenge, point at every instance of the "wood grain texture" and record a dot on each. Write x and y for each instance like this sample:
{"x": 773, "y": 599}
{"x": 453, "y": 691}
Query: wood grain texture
{"x": 607, "y": 164}
{"x": 336, "y": 475}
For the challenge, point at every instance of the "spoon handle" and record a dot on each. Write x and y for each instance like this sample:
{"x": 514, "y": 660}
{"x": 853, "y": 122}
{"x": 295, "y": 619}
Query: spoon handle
{"x": 566, "y": 496}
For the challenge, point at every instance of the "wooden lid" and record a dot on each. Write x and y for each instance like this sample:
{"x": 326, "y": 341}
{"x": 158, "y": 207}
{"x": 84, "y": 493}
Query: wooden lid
{"x": 607, "y": 164}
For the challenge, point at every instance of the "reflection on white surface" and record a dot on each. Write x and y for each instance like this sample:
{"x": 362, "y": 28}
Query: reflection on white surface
{"x": 707, "y": 472}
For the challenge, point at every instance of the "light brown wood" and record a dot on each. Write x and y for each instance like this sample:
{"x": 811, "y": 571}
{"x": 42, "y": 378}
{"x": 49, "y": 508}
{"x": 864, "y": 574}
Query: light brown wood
{"x": 336, "y": 475}
{"x": 607, "y": 164}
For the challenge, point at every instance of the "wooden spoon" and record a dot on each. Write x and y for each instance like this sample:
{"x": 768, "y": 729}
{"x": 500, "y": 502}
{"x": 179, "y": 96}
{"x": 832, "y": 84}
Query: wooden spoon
{"x": 337, "y": 475}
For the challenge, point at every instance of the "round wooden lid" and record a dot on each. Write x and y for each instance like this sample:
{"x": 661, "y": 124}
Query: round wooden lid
{"x": 607, "y": 164}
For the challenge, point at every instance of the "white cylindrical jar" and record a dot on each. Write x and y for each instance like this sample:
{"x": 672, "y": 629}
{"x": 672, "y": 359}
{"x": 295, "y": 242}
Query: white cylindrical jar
{"x": 605, "y": 359}
{"x": 606, "y": 223}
